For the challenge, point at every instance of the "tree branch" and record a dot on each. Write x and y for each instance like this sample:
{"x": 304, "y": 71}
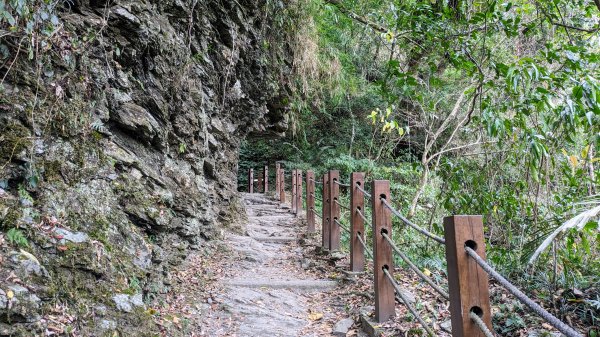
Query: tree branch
{"x": 586, "y": 30}
{"x": 361, "y": 19}
{"x": 461, "y": 147}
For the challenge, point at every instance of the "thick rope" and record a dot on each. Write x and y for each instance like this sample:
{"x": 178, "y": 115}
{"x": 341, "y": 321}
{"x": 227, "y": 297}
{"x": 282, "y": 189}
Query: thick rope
{"x": 555, "y": 322}
{"x": 367, "y": 194}
{"x": 341, "y": 184}
{"x": 363, "y": 217}
{"x": 364, "y": 244}
{"x": 407, "y": 303}
{"x": 408, "y": 222}
{"x": 315, "y": 213}
{"x": 481, "y": 325}
{"x": 342, "y": 206}
{"x": 412, "y": 266}
{"x": 316, "y": 182}
{"x": 342, "y": 226}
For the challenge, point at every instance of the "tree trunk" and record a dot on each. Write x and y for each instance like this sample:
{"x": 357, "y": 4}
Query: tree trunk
{"x": 422, "y": 183}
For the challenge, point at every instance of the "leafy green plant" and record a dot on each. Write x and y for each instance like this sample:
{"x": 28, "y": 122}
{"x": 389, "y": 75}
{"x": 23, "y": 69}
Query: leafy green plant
{"x": 16, "y": 237}
{"x": 134, "y": 285}
{"x": 28, "y": 17}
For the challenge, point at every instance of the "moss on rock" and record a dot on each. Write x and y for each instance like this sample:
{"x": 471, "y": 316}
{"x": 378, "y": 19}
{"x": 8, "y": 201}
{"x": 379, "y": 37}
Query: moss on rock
{"x": 14, "y": 138}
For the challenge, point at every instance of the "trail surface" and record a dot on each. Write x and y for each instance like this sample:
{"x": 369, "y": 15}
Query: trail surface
{"x": 266, "y": 292}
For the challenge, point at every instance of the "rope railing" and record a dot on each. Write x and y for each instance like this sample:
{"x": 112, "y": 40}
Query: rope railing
{"x": 342, "y": 226}
{"x": 412, "y": 266}
{"x": 468, "y": 285}
{"x": 555, "y": 322}
{"x": 316, "y": 182}
{"x": 367, "y": 194}
{"x": 364, "y": 245}
{"x": 341, "y": 184}
{"x": 342, "y": 206}
{"x": 406, "y": 302}
{"x": 411, "y": 224}
{"x": 315, "y": 213}
{"x": 362, "y": 216}
{"x": 480, "y": 324}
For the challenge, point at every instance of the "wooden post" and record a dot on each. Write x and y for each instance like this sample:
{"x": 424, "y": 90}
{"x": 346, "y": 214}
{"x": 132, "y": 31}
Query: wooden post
{"x": 294, "y": 187}
{"x": 326, "y": 209}
{"x": 298, "y": 192}
{"x": 266, "y": 178}
{"x": 282, "y": 186}
{"x": 468, "y": 284}
{"x": 310, "y": 200}
{"x": 382, "y": 252}
{"x": 250, "y": 181}
{"x": 357, "y": 203}
{"x": 277, "y": 176}
{"x": 259, "y": 182}
{"x": 334, "y": 192}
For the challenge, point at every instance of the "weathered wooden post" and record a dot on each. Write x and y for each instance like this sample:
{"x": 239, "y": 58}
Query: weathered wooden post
{"x": 282, "y": 186}
{"x": 294, "y": 191}
{"x": 382, "y": 252}
{"x": 277, "y": 176}
{"x": 266, "y": 178}
{"x": 250, "y": 181}
{"x": 326, "y": 209}
{"x": 357, "y": 204}
{"x": 310, "y": 200}
{"x": 259, "y": 182}
{"x": 334, "y": 196}
{"x": 298, "y": 192}
{"x": 468, "y": 284}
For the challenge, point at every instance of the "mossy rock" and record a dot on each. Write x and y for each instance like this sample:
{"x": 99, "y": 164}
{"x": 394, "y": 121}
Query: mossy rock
{"x": 9, "y": 213}
{"x": 14, "y": 138}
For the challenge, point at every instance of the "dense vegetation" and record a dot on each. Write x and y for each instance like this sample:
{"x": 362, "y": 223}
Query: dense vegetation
{"x": 481, "y": 107}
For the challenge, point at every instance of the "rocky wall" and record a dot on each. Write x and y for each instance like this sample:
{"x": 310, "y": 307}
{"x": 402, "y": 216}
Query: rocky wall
{"x": 119, "y": 139}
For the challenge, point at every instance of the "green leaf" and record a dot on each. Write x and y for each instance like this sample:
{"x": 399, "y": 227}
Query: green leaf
{"x": 578, "y": 92}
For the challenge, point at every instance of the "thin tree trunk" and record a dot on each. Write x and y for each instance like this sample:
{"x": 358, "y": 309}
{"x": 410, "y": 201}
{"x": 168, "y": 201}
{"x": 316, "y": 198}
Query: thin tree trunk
{"x": 592, "y": 188}
{"x": 422, "y": 183}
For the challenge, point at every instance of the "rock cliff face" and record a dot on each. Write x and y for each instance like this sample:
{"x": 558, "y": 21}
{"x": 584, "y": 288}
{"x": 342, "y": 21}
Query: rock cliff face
{"x": 119, "y": 138}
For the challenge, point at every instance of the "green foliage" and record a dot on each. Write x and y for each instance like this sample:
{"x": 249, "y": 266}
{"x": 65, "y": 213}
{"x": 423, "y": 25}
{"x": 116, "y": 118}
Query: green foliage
{"x": 24, "y": 195}
{"x": 16, "y": 237}
{"x": 494, "y": 104}
{"x": 29, "y": 18}
{"x": 135, "y": 286}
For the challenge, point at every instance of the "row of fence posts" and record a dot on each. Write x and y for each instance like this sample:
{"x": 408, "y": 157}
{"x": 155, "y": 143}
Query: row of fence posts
{"x": 467, "y": 282}
{"x": 262, "y": 181}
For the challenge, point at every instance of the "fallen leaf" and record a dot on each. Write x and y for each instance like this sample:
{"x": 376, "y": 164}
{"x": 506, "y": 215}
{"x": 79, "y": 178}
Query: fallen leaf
{"x": 10, "y": 294}
{"x": 315, "y": 316}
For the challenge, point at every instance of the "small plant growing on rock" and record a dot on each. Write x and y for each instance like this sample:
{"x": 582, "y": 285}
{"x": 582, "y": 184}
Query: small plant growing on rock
{"x": 16, "y": 237}
{"x": 134, "y": 286}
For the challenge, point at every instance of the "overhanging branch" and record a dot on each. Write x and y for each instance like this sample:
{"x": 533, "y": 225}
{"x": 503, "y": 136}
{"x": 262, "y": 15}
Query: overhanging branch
{"x": 375, "y": 26}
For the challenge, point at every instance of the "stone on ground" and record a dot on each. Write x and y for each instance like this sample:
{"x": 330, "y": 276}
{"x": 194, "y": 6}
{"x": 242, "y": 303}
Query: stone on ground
{"x": 342, "y": 327}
